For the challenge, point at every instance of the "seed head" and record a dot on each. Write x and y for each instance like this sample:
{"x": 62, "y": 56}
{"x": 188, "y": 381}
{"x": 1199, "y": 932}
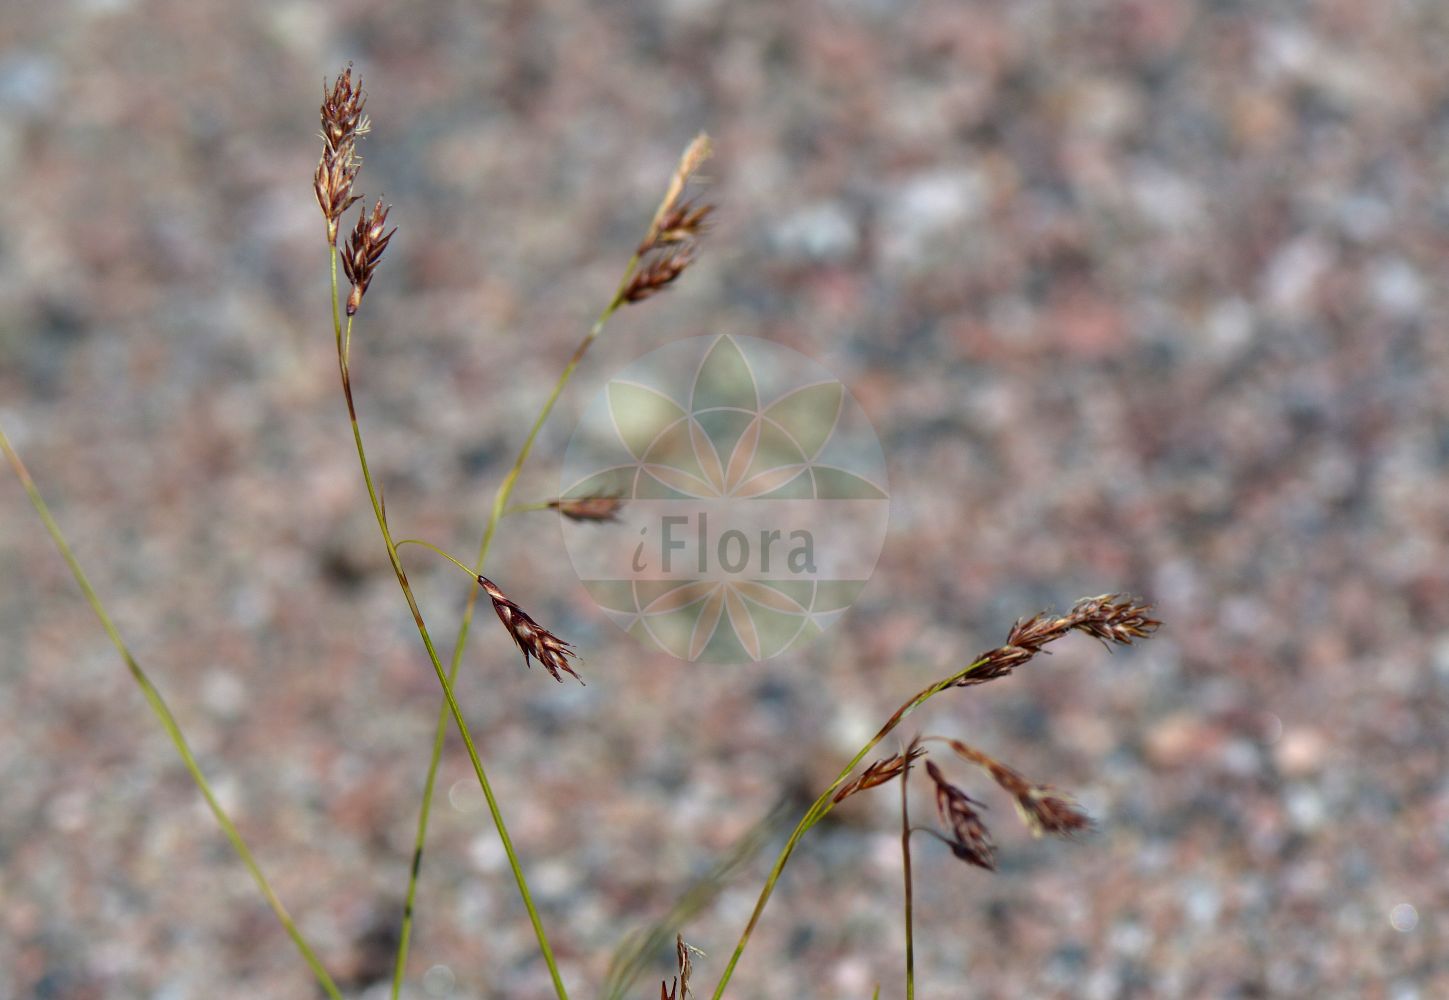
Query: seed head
{"x": 672, "y": 241}
{"x": 659, "y": 272}
{"x": 685, "y": 222}
{"x": 699, "y": 150}
{"x": 342, "y": 116}
{"x": 1112, "y": 618}
{"x": 336, "y": 174}
{"x": 970, "y": 840}
{"x": 879, "y": 773}
{"x": 1045, "y": 810}
{"x": 533, "y": 639}
{"x": 364, "y": 249}
{"x": 343, "y": 122}
{"x": 595, "y": 508}
{"x": 1042, "y": 808}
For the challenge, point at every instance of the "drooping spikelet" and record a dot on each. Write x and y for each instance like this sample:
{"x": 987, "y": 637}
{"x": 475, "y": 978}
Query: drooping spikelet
{"x": 1043, "y": 809}
{"x": 1046, "y": 810}
{"x": 605, "y": 507}
{"x": 970, "y": 840}
{"x": 533, "y": 639}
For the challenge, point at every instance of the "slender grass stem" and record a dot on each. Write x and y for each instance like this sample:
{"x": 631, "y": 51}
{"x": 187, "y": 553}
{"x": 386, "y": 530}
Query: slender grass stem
{"x": 168, "y": 722}
{"x": 906, "y": 875}
{"x": 429, "y": 545}
{"x": 451, "y": 703}
{"x": 823, "y": 805}
{"x": 694, "y": 155}
{"x": 1110, "y": 618}
{"x": 460, "y": 642}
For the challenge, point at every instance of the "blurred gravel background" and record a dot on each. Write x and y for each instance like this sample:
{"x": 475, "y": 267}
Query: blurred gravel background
{"x": 1140, "y": 296}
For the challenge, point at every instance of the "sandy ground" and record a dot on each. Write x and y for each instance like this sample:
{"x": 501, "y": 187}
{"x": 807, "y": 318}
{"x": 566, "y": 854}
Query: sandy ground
{"x": 1140, "y": 296}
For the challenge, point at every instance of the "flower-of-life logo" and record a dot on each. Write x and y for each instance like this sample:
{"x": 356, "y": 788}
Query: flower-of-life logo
{"x": 754, "y": 499}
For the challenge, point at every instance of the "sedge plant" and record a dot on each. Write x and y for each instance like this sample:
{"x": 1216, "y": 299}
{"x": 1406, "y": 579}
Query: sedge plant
{"x": 669, "y": 246}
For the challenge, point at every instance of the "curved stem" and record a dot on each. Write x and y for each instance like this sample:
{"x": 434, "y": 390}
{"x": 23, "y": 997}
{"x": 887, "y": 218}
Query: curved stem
{"x": 168, "y": 722}
{"x": 429, "y": 545}
{"x": 460, "y": 642}
{"x": 823, "y": 805}
{"x": 934, "y": 834}
{"x": 450, "y": 700}
{"x": 695, "y": 154}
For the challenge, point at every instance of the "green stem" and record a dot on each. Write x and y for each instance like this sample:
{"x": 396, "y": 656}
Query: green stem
{"x": 429, "y": 545}
{"x": 500, "y": 504}
{"x": 168, "y": 721}
{"x": 906, "y": 875}
{"x": 694, "y": 155}
{"x": 443, "y": 680}
{"x": 823, "y": 805}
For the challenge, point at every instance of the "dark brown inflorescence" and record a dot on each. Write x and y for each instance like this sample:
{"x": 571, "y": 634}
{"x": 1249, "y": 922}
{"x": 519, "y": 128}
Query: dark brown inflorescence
{"x": 533, "y": 639}
{"x": 970, "y": 840}
{"x": 1042, "y": 808}
{"x": 684, "y": 223}
{"x": 595, "y": 508}
{"x": 1113, "y": 618}
{"x": 343, "y": 122}
{"x": 364, "y": 249}
{"x": 882, "y": 771}
{"x": 342, "y": 115}
{"x": 659, "y": 272}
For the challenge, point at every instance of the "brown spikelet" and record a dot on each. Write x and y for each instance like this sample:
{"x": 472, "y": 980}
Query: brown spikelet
{"x": 699, "y": 150}
{"x": 364, "y": 250}
{"x": 680, "y": 989}
{"x": 1113, "y": 618}
{"x": 879, "y": 773}
{"x": 671, "y": 243}
{"x": 343, "y": 119}
{"x": 659, "y": 272}
{"x": 970, "y": 840}
{"x": 343, "y": 122}
{"x": 533, "y": 639}
{"x": 594, "y": 508}
{"x": 685, "y": 222}
{"x": 336, "y": 173}
{"x": 1043, "y": 809}
{"x": 1046, "y": 810}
